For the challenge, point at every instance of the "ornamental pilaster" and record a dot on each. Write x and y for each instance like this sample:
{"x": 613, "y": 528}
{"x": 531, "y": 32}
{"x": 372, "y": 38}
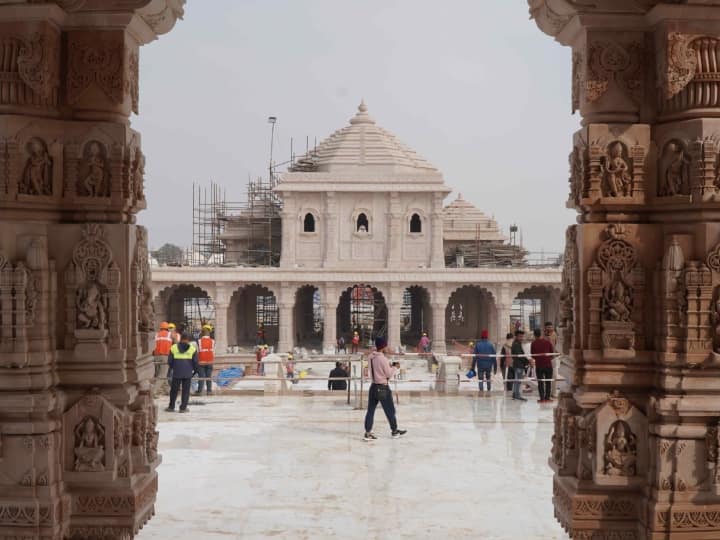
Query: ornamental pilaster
{"x": 75, "y": 296}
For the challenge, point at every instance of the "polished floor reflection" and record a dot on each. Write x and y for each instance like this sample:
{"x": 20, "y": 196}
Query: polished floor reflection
{"x": 296, "y": 467}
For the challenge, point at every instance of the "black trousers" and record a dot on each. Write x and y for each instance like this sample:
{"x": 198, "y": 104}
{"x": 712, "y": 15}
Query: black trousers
{"x": 544, "y": 386}
{"x": 388, "y": 406}
{"x": 185, "y": 396}
{"x": 205, "y": 372}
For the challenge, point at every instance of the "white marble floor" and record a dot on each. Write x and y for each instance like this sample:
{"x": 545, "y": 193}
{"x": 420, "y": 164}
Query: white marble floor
{"x": 296, "y": 467}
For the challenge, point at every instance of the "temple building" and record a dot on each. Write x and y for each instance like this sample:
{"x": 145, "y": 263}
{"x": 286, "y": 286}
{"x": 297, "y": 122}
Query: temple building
{"x": 366, "y": 245}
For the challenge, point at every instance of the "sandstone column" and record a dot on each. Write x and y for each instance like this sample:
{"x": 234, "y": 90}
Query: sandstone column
{"x": 289, "y": 221}
{"x": 78, "y": 439}
{"x": 222, "y": 304}
{"x": 437, "y": 253}
{"x": 438, "y": 330}
{"x": 394, "y": 232}
{"x": 635, "y": 450}
{"x": 394, "y": 305}
{"x": 330, "y": 304}
{"x": 285, "y": 318}
{"x": 331, "y": 230}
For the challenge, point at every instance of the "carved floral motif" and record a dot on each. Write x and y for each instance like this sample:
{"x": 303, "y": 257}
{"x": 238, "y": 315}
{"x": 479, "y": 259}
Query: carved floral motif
{"x": 38, "y": 62}
{"x": 681, "y": 63}
{"x": 95, "y": 61}
{"x": 621, "y": 63}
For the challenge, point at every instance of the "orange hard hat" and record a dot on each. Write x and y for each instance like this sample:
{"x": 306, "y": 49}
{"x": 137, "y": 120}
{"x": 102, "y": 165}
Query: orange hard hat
{"x": 163, "y": 325}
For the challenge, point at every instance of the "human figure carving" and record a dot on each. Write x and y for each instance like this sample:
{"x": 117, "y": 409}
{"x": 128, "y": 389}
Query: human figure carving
{"x": 618, "y": 300}
{"x": 675, "y": 177}
{"x": 89, "y": 445}
{"x": 37, "y": 174}
{"x": 94, "y": 180}
{"x": 620, "y": 450}
{"x": 91, "y": 307}
{"x": 139, "y": 175}
{"x": 616, "y": 172}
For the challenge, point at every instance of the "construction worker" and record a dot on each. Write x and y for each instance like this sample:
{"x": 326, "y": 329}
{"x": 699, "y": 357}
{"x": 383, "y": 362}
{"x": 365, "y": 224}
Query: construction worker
{"x": 183, "y": 361}
{"x": 206, "y": 357}
{"x": 174, "y": 334}
{"x": 355, "y": 342}
{"x": 163, "y": 342}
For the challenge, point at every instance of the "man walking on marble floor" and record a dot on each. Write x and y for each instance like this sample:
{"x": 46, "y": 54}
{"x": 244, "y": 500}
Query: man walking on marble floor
{"x": 542, "y": 350}
{"x": 485, "y": 360}
{"x": 519, "y": 364}
{"x": 381, "y": 372}
{"x": 183, "y": 361}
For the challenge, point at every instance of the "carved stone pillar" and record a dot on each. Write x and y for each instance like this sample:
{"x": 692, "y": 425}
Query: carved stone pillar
{"x": 221, "y": 302}
{"x": 78, "y": 439}
{"x": 394, "y": 232}
{"x": 640, "y": 307}
{"x": 286, "y": 321}
{"x": 330, "y": 305}
{"x": 394, "y": 305}
{"x": 289, "y": 234}
{"x": 438, "y": 331}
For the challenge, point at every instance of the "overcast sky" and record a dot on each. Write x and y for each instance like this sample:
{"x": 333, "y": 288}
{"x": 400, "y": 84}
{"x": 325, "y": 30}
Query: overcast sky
{"x": 472, "y": 85}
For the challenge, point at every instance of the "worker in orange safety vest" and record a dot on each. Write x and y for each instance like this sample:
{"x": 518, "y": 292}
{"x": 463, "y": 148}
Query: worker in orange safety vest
{"x": 206, "y": 357}
{"x": 163, "y": 342}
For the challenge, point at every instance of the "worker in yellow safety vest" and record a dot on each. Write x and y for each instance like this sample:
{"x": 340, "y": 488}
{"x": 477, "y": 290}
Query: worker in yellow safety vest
{"x": 206, "y": 357}
{"x": 163, "y": 342}
{"x": 183, "y": 361}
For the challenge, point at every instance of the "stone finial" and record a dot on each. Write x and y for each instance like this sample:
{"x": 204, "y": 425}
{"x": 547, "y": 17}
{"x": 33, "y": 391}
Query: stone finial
{"x": 362, "y": 116}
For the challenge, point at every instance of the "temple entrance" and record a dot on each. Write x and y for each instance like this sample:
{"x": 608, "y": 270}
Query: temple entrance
{"x": 253, "y": 317}
{"x": 415, "y": 315}
{"x": 470, "y": 310}
{"x": 188, "y": 306}
{"x": 362, "y": 309}
{"x": 533, "y": 307}
{"x": 308, "y": 318}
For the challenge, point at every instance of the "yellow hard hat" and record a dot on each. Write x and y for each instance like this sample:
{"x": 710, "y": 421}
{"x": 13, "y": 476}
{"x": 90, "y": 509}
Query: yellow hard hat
{"x": 207, "y": 327}
{"x": 471, "y": 343}
{"x": 171, "y": 325}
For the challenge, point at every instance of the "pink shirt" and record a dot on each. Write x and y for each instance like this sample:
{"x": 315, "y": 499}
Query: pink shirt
{"x": 380, "y": 368}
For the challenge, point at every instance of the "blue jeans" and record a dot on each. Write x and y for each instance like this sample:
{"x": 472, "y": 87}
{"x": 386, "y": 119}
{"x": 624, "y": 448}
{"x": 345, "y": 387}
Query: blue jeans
{"x": 484, "y": 374}
{"x": 205, "y": 372}
{"x": 517, "y": 385}
{"x": 388, "y": 406}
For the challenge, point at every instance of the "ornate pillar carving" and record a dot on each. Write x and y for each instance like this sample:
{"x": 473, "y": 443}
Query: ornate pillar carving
{"x": 330, "y": 304}
{"x": 222, "y": 304}
{"x": 640, "y": 306}
{"x": 394, "y": 305}
{"x": 331, "y": 230}
{"x": 395, "y": 232}
{"x": 289, "y": 232}
{"x": 437, "y": 254}
{"x": 286, "y": 331}
{"x": 78, "y": 438}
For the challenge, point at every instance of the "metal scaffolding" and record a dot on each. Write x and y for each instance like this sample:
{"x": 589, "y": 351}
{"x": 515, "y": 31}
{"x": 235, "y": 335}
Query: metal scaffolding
{"x": 236, "y": 233}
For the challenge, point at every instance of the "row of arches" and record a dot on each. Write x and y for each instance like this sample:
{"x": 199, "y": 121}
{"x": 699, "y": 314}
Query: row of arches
{"x": 253, "y": 314}
{"x": 362, "y": 223}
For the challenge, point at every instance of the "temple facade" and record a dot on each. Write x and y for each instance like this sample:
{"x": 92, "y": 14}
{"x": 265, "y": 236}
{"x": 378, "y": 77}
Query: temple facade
{"x": 365, "y": 241}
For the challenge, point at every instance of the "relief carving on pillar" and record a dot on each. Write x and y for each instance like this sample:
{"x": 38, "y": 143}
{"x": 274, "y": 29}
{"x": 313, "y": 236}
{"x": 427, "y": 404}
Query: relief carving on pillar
{"x": 94, "y": 171}
{"x": 569, "y": 289}
{"x": 37, "y": 175}
{"x": 698, "y": 281}
{"x": 616, "y": 62}
{"x": 620, "y": 435}
{"x": 133, "y": 82}
{"x": 674, "y": 169}
{"x": 676, "y": 67}
{"x": 91, "y": 427}
{"x": 95, "y": 58}
{"x": 29, "y": 76}
{"x": 616, "y": 284}
{"x": 616, "y": 169}
{"x": 578, "y": 180}
{"x": 141, "y": 267}
{"x": 577, "y": 78}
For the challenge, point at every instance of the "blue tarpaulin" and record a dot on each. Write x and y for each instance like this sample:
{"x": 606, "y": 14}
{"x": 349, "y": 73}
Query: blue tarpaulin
{"x": 226, "y": 376}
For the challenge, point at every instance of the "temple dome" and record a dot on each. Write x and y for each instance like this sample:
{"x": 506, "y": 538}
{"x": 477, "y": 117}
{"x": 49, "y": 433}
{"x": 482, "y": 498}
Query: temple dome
{"x": 364, "y": 147}
{"x": 463, "y": 221}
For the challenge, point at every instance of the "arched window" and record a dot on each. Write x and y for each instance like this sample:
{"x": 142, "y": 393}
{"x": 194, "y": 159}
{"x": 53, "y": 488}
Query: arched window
{"x": 363, "y": 226}
{"x": 415, "y": 224}
{"x": 309, "y": 223}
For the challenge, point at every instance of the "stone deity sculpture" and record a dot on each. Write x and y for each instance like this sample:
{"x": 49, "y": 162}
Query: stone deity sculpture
{"x": 616, "y": 171}
{"x": 620, "y": 450}
{"x": 91, "y": 305}
{"x": 89, "y": 445}
{"x": 37, "y": 178}
{"x": 618, "y": 301}
{"x": 675, "y": 177}
{"x": 94, "y": 181}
